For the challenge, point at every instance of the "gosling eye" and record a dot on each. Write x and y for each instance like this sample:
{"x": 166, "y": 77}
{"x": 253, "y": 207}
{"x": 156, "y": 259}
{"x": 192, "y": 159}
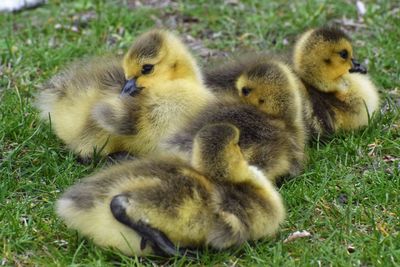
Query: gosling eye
{"x": 147, "y": 69}
{"x": 261, "y": 101}
{"x": 344, "y": 54}
{"x": 246, "y": 91}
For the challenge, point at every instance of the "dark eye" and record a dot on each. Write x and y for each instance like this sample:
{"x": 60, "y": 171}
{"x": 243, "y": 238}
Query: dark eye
{"x": 246, "y": 91}
{"x": 147, "y": 69}
{"x": 261, "y": 101}
{"x": 344, "y": 54}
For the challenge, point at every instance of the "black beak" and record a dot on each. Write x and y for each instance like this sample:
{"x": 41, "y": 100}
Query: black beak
{"x": 357, "y": 67}
{"x": 130, "y": 88}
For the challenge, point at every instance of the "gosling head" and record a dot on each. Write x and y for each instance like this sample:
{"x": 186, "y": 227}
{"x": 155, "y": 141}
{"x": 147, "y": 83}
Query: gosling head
{"x": 216, "y": 152}
{"x": 322, "y": 56}
{"x": 272, "y": 88}
{"x": 155, "y": 57}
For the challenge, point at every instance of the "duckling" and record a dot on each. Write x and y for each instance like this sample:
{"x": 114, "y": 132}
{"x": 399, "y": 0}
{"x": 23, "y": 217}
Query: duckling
{"x": 335, "y": 87}
{"x": 154, "y": 205}
{"x": 110, "y": 104}
{"x": 267, "y": 110}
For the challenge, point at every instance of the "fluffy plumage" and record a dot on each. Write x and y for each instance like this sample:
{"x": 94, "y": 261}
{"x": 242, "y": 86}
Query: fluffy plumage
{"x": 130, "y": 104}
{"x": 154, "y": 205}
{"x": 336, "y": 96}
{"x": 262, "y": 100}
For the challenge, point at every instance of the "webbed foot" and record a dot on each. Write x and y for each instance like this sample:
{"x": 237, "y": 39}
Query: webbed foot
{"x": 159, "y": 242}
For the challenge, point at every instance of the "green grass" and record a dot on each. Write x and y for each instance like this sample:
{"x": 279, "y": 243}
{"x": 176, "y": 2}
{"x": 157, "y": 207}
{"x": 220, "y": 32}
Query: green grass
{"x": 347, "y": 195}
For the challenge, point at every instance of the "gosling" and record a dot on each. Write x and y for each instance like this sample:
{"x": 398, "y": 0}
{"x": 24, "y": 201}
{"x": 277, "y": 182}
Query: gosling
{"x": 155, "y": 205}
{"x": 109, "y": 105}
{"x": 266, "y": 110}
{"x": 335, "y": 88}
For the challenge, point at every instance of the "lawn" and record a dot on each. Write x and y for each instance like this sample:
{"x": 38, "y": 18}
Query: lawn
{"x": 348, "y": 197}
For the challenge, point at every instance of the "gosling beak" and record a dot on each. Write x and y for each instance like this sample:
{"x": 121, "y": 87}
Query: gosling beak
{"x": 130, "y": 88}
{"x": 357, "y": 67}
